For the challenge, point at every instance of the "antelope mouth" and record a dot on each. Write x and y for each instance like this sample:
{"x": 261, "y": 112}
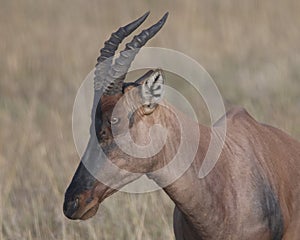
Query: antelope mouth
{"x": 91, "y": 209}
{"x": 87, "y": 207}
{"x": 86, "y": 211}
{"x": 90, "y": 212}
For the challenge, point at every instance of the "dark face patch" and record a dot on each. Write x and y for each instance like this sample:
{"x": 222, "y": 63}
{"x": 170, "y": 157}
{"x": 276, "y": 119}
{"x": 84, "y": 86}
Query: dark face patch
{"x": 103, "y": 118}
{"x": 82, "y": 182}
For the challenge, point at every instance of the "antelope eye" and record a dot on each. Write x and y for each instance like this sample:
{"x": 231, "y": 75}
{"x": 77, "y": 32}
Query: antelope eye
{"x": 114, "y": 120}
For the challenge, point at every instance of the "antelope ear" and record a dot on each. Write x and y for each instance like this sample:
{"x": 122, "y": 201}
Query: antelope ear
{"x": 152, "y": 90}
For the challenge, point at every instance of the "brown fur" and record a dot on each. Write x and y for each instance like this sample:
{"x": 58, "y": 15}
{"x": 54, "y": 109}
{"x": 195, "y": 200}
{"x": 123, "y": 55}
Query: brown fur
{"x": 227, "y": 203}
{"x": 252, "y": 192}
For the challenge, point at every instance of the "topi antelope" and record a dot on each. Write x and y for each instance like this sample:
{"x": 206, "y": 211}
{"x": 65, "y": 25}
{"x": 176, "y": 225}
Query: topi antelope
{"x": 253, "y": 191}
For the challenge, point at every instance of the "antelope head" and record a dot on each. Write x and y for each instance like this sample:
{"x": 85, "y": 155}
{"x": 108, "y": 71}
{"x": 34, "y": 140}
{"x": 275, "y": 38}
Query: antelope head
{"x": 117, "y": 107}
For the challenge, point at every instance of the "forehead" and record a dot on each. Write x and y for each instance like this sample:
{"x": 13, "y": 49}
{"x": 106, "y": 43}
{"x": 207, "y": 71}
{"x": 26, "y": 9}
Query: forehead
{"x": 108, "y": 102}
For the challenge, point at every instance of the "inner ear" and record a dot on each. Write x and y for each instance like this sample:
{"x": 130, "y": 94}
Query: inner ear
{"x": 152, "y": 89}
{"x": 144, "y": 77}
{"x": 127, "y": 86}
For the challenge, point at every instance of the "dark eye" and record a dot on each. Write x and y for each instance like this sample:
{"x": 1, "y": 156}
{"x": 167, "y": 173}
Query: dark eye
{"x": 114, "y": 120}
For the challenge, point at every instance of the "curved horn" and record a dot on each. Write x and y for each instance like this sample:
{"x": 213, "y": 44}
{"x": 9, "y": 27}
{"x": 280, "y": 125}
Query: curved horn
{"x": 110, "y": 46}
{"x": 118, "y": 71}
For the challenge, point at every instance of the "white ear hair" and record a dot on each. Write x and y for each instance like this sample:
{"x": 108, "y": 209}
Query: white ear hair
{"x": 153, "y": 89}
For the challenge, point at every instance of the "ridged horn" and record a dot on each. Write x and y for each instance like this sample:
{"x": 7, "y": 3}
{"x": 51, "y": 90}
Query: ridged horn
{"x": 107, "y": 53}
{"x": 117, "y": 73}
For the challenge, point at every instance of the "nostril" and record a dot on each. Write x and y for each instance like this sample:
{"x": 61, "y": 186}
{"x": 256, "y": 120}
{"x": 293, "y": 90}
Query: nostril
{"x": 76, "y": 203}
{"x": 70, "y": 207}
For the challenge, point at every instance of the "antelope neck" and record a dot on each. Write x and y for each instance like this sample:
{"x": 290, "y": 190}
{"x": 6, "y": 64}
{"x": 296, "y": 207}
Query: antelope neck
{"x": 194, "y": 197}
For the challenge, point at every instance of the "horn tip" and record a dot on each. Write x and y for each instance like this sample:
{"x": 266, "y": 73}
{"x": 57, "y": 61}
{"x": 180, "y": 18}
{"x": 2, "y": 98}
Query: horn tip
{"x": 162, "y": 21}
{"x": 147, "y": 13}
{"x": 164, "y": 18}
{"x": 142, "y": 18}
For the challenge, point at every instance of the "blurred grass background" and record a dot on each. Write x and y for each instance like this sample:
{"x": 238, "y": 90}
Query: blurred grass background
{"x": 251, "y": 49}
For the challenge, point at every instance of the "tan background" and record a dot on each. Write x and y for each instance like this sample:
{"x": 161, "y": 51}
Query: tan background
{"x": 251, "y": 48}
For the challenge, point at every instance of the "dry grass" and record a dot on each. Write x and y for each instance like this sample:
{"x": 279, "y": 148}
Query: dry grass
{"x": 251, "y": 48}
